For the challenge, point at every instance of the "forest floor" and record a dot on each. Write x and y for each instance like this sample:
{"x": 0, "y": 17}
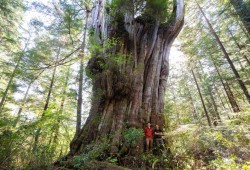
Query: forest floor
{"x": 188, "y": 146}
{"x": 225, "y": 146}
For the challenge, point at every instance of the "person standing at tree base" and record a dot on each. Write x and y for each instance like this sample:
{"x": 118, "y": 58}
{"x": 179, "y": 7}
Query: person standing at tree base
{"x": 158, "y": 141}
{"x": 148, "y": 131}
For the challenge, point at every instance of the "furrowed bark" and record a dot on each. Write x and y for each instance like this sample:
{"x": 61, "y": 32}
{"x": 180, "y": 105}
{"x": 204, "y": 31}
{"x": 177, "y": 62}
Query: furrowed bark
{"x": 129, "y": 93}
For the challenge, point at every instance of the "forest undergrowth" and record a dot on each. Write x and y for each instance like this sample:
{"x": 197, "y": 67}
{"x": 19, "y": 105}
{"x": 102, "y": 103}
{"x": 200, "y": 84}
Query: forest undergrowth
{"x": 226, "y": 146}
{"x": 188, "y": 146}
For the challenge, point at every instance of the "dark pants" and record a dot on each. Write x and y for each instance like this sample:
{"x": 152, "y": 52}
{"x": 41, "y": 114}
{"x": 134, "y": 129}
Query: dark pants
{"x": 159, "y": 145}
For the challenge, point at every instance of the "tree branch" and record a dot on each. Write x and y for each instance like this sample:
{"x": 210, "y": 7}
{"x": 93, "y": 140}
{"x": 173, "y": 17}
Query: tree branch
{"x": 60, "y": 62}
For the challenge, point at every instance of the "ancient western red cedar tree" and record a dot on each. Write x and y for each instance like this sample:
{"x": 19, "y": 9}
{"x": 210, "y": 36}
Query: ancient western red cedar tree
{"x": 128, "y": 92}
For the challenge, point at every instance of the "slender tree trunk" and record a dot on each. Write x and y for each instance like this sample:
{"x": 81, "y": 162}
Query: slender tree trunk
{"x": 227, "y": 103}
{"x": 22, "y": 105}
{"x": 130, "y": 91}
{"x": 228, "y": 91}
{"x": 195, "y": 115}
{"x": 60, "y": 112}
{"x": 215, "y": 107}
{"x": 9, "y": 84}
{"x": 222, "y": 103}
{"x": 24, "y": 100}
{"x": 243, "y": 11}
{"x": 221, "y": 100}
{"x": 238, "y": 45}
{"x": 227, "y": 100}
{"x": 234, "y": 88}
{"x": 237, "y": 76}
{"x": 80, "y": 87}
{"x": 211, "y": 96}
{"x": 50, "y": 89}
{"x": 202, "y": 100}
{"x": 243, "y": 29}
{"x": 3, "y": 100}
{"x": 175, "y": 110}
{"x": 46, "y": 106}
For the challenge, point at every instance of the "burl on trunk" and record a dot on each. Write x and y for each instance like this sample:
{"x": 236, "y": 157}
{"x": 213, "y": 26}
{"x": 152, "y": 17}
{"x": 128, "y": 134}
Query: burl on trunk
{"x": 129, "y": 75}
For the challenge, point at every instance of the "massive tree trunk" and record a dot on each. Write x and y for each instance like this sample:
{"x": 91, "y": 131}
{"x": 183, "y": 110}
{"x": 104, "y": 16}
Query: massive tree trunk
{"x": 129, "y": 78}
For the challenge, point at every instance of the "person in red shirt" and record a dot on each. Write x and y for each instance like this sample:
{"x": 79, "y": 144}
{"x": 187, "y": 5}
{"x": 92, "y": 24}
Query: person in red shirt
{"x": 148, "y": 131}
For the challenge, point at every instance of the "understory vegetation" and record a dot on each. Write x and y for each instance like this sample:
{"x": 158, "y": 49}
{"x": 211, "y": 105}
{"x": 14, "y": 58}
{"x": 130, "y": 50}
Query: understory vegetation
{"x": 223, "y": 147}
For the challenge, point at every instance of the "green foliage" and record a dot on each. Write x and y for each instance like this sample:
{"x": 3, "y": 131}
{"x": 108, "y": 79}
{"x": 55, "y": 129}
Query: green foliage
{"x": 116, "y": 7}
{"x": 149, "y": 158}
{"x": 222, "y": 147}
{"x": 159, "y": 8}
{"x": 147, "y": 10}
{"x": 35, "y": 42}
{"x": 10, "y": 14}
{"x": 225, "y": 163}
{"x": 133, "y": 135}
{"x": 102, "y": 62}
{"x": 72, "y": 18}
{"x": 246, "y": 166}
{"x": 95, "y": 47}
{"x": 112, "y": 160}
{"x": 94, "y": 151}
{"x": 42, "y": 157}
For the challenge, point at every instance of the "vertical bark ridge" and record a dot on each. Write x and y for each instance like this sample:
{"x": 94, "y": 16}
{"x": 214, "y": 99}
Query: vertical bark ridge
{"x": 107, "y": 117}
{"x": 118, "y": 123}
